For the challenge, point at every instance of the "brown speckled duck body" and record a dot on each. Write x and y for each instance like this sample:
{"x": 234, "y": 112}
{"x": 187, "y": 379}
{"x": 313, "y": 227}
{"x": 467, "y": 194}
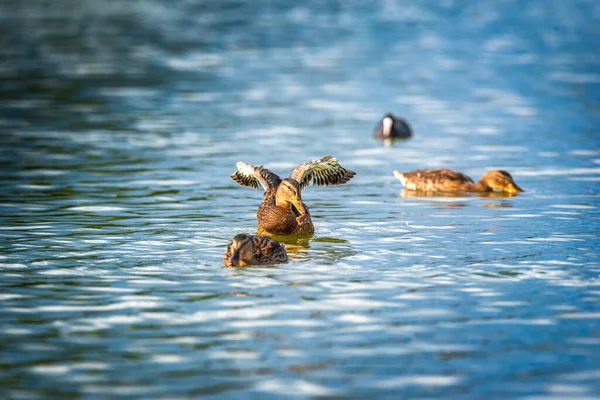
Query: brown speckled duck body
{"x": 280, "y": 220}
{"x": 282, "y": 211}
{"x": 247, "y": 250}
{"x": 447, "y": 180}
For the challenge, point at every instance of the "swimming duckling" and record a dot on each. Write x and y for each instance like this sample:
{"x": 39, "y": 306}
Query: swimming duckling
{"x": 282, "y": 211}
{"x": 447, "y": 180}
{"x": 392, "y": 127}
{"x": 247, "y": 250}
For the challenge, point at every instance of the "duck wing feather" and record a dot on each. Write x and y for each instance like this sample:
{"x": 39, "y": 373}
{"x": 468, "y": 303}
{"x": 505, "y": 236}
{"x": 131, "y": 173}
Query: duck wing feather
{"x": 268, "y": 250}
{"x": 251, "y": 176}
{"x": 324, "y": 172}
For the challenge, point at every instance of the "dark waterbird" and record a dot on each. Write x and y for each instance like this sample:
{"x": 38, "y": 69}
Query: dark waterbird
{"x": 392, "y": 127}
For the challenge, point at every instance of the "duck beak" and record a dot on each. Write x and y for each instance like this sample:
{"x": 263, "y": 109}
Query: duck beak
{"x": 234, "y": 260}
{"x": 297, "y": 202}
{"x": 513, "y": 188}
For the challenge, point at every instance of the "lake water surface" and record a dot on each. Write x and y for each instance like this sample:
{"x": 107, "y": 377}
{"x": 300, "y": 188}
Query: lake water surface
{"x": 120, "y": 122}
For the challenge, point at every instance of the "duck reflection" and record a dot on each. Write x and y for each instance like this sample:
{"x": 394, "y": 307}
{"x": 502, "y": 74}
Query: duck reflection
{"x": 324, "y": 250}
{"x": 329, "y": 250}
{"x": 426, "y": 193}
{"x": 429, "y": 193}
{"x": 501, "y": 204}
{"x": 486, "y": 195}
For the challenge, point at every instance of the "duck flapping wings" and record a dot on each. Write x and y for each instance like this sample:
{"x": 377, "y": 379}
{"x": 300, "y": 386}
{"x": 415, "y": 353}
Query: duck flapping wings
{"x": 324, "y": 172}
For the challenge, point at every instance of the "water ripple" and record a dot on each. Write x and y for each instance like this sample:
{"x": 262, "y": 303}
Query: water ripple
{"x": 122, "y": 122}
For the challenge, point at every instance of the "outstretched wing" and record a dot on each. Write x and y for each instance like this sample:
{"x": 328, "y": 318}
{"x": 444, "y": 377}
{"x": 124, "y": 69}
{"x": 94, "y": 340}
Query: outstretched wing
{"x": 251, "y": 176}
{"x": 324, "y": 172}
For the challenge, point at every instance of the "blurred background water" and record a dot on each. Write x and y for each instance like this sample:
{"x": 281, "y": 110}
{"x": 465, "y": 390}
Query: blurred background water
{"x": 120, "y": 122}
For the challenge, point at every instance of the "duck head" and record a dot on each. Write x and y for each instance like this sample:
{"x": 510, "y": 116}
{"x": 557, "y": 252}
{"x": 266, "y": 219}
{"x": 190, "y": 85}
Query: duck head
{"x": 288, "y": 196}
{"x": 243, "y": 251}
{"x": 500, "y": 180}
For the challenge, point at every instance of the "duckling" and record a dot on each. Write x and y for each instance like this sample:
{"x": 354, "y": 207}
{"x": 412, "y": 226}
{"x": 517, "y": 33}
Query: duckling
{"x": 392, "y": 127}
{"x": 282, "y": 211}
{"x": 247, "y": 250}
{"x": 447, "y": 180}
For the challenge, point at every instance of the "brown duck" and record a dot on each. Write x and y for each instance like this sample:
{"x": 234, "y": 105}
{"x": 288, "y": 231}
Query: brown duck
{"x": 282, "y": 211}
{"x": 254, "y": 250}
{"x": 447, "y": 180}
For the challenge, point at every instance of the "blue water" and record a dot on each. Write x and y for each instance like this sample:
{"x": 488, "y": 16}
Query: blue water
{"x": 120, "y": 122}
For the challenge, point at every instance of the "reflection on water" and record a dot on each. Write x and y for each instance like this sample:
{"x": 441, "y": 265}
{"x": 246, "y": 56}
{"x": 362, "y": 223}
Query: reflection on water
{"x": 330, "y": 250}
{"x": 426, "y": 193}
{"x": 441, "y": 200}
{"x": 122, "y": 122}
